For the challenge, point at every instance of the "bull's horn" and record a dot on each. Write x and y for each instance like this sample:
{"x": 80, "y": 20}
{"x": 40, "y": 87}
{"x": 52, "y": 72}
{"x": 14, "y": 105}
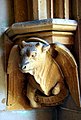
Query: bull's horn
{"x": 24, "y": 43}
{"x": 37, "y": 39}
{"x": 46, "y": 47}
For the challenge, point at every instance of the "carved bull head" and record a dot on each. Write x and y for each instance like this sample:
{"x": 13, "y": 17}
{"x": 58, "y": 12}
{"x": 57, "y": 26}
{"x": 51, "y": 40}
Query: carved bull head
{"x": 32, "y": 53}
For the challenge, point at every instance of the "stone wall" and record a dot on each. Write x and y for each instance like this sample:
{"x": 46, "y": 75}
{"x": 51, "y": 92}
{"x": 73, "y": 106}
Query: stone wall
{"x": 6, "y": 19}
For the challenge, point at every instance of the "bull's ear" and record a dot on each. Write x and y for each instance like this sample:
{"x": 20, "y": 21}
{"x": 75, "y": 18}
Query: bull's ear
{"x": 45, "y": 48}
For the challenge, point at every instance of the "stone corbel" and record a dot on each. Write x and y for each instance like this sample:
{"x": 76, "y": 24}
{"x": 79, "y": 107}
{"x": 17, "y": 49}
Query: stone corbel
{"x": 52, "y": 31}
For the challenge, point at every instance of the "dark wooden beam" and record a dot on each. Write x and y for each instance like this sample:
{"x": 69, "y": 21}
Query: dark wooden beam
{"x": 20, "y": 10}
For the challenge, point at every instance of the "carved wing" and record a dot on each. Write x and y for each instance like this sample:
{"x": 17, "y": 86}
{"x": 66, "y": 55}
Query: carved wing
{"x": 16, "y": 78}
{"x": 69, "y": 67}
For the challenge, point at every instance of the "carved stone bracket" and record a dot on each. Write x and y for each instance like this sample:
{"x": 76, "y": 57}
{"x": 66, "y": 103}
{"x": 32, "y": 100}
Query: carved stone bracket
{"x": 51, "y": 30}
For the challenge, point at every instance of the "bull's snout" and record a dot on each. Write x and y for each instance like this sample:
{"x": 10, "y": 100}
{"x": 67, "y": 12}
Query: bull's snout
{"x": 23, "y": 66}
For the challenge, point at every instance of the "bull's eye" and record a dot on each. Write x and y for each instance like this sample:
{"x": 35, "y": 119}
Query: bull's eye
{"x": 34, "y": 54}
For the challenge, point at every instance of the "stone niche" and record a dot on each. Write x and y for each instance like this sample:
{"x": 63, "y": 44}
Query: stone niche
{"x": 51, "y": 30}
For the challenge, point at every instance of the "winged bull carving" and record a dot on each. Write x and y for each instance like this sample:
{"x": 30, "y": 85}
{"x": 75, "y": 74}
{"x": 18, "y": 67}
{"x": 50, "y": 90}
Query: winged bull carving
{"x": 49, "y": 67}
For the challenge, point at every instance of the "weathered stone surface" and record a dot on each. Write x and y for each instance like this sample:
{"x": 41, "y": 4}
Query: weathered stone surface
{"x": 6, "y": 19}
